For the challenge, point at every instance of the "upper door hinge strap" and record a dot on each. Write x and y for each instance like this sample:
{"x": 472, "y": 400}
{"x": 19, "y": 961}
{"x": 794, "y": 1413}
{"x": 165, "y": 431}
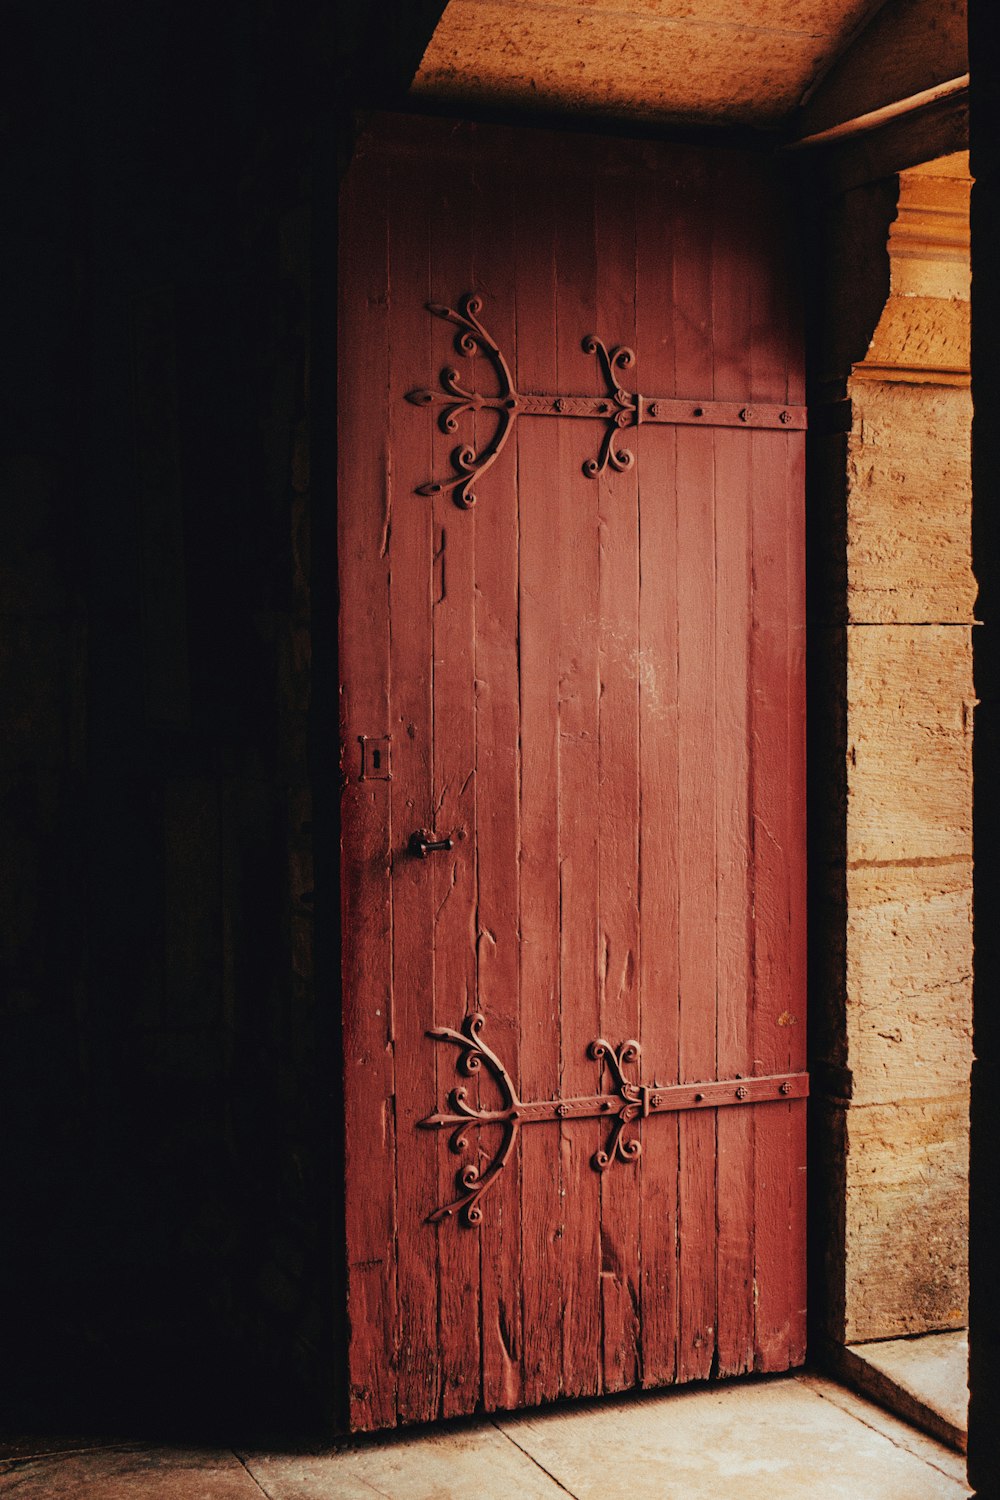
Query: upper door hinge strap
{"x": 618, "y": 408}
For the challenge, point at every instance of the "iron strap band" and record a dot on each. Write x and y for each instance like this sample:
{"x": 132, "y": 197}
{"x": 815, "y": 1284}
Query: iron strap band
{"x": 654, "y": 1100}
{"x": 628, "y": 1102}
{"x": 617, "y": 408}
{"x": 668, "y": 411}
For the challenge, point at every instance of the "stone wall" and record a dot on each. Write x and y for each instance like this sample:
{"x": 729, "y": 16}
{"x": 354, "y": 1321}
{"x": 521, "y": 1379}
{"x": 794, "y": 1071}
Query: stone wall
{"x": 897, "y": 1022}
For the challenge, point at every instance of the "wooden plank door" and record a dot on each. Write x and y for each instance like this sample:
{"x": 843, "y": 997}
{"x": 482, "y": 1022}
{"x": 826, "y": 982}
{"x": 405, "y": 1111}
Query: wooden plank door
{"x": 571, "y": 593}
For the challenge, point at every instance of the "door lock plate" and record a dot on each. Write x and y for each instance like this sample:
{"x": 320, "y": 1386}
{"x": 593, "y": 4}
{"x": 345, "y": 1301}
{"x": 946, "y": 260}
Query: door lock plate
{"x": 375, "y": 757}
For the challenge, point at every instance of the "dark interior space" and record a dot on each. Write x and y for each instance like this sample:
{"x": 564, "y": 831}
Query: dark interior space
{"x": 166, "y": 1076}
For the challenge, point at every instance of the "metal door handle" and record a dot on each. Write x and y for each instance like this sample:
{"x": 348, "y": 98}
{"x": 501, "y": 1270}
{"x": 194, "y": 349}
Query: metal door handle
{"x": 423, "y": 843}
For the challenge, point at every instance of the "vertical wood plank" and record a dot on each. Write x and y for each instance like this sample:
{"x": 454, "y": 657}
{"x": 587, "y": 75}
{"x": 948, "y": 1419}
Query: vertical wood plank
{"x": 369, "y": 1085}
{"x": 795, "y": 491}
{"x": 658, "y": 809}
{"x": 411, "y": 575}
{"x": 773, "y": 1016}
{"x": 578, "y": 696}
{"x": 733, "y": 202}
{"x": 696, "y": 776}
{"x": 797, "y": 1052}
{"x": 771, "y": 898}
{"x": 539, "y": 530}
{"x": 786, "y": 279}
{"x": 617, "y": 807}
{"x": 497, "y": 799}
{"x": 786, "y": 312}
{"x": 452, "y": 878}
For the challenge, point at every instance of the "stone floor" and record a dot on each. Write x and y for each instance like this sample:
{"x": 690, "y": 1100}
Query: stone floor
{"x": 784, "y": 1438}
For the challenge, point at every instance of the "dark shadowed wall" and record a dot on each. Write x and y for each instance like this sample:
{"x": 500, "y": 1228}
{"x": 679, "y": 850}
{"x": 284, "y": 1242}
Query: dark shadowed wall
{"x": 166, "y": 1244}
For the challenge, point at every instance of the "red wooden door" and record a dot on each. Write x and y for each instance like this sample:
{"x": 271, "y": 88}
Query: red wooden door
{"x": 590, "y": 685}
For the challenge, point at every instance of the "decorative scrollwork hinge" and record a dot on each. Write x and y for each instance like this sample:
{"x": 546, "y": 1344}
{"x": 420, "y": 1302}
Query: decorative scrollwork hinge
{"x": 629, "y": 1101}
{"x": 617, "y": 408}
{"x": 456, "y": 401}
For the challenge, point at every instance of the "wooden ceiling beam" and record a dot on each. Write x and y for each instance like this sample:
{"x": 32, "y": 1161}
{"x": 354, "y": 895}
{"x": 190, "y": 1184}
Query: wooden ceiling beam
{"x": 909, "y": 52}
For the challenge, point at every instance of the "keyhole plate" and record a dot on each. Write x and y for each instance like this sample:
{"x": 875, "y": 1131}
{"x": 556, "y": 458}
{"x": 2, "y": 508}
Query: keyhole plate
{"x": 375, "y": 759}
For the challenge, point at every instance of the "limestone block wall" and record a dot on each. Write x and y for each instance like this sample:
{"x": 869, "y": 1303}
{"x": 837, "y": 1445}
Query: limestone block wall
{"x": 905, "y": 1043}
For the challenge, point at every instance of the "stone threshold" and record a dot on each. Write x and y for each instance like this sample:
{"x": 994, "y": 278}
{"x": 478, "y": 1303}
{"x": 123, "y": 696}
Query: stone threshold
{"x": 922, "y": 1378}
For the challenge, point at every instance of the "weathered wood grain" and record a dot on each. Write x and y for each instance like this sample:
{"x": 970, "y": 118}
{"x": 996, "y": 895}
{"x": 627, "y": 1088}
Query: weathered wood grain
{"x": 578, "y": 500}
{"x": 452, "y": 879}
{"x": 731, "y": 344}
{"x": 773, "y": 1000}
{"x": 697, "y": 770}
{"x": 658, "y": 809}
{"x": 795, "y": 666}
{"x": 618, "y": 940}
{"x": 369, "y": 1086}
{"x": 539, "y": 533}
{"x": 595, "y": 688}
{"x": 776, "y": 750}
{"x": 498, "y": 820}
{"x": 411, "y": 645}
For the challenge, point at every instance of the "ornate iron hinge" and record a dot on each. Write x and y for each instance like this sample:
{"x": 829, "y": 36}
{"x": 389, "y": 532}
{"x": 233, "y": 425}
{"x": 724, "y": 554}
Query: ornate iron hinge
{"x": 618, "y": 408}
{"x": 628, "y": 1102}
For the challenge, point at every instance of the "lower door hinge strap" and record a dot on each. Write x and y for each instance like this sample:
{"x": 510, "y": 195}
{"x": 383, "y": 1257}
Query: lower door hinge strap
{"x": 627, "y": 1102}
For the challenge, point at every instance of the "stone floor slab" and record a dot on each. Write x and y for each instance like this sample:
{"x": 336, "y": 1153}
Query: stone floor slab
{"x": 26, "y": 1445}
{"x": 900, "y": 1434}
{"x": 129, "y": 1474}
{"x": 796, "y": 1437}
{"x": 465, "y": 1463}
{"x": 759, "y": 1440}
